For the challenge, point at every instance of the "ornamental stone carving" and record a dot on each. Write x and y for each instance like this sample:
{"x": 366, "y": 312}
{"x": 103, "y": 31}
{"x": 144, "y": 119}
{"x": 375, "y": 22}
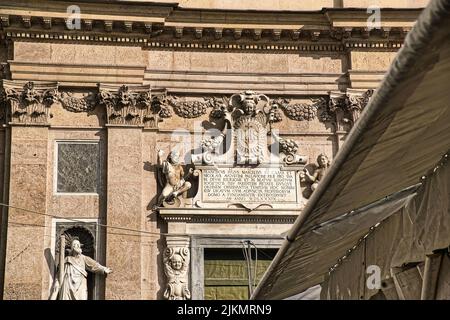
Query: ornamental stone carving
{"x": 323, "y": 163}
{"x": 345, "y": 108}
{"x": 288, "y": 151}
{"x": 173, "y": 180}
{"x": 219, "y": 106}
{"x": 298, "y": 111}
{"x": 241, "y": 136}
{"x": 126, "y": 105}
{"x": 29, "y": 102}
{"x": 188, "y": 109}
{"x": 85, "y": 103}
{"x": 176, "y": 266}
{"x": 194, "y": 108}
{"x": 249, "y": 112}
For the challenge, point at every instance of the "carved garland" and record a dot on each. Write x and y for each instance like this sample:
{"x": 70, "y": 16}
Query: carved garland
{"x": 188, "y": 109}
{"x": 86, "y": 103}
{"x": 297, "y": 111}
{"x": 195, "y": 108}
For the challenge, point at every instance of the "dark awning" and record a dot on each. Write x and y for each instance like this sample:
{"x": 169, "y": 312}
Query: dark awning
{"x": 402, "y": 133}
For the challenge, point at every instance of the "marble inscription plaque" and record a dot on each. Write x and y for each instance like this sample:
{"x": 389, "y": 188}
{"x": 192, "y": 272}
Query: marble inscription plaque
{"x": 249, "y": 185}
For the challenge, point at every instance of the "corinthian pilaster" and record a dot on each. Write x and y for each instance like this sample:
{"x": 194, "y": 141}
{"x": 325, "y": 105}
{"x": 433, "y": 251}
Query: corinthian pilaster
{"x": 127, "y": 105}
{"x": 346, "y": 107}
{"x": 29, "y": 102}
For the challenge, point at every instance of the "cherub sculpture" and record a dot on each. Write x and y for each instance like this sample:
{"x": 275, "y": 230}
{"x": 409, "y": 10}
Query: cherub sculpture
{"x": 319, "y": 172}
{"x": 176, "y": 264}
{"x": 175, "y": 182}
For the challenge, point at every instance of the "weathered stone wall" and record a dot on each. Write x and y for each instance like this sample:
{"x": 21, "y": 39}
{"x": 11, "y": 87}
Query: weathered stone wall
{"x": 28, "y": 189}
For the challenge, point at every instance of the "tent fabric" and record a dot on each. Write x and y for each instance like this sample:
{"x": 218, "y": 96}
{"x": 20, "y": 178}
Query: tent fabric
{"x": 336, "y": 236}
{"x": 404, "y": 238}
{"x": 399, "y": 137}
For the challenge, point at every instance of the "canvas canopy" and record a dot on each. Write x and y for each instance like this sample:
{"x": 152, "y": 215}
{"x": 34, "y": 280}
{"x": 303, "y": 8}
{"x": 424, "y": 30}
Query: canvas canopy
{"x": 400, "y": 137}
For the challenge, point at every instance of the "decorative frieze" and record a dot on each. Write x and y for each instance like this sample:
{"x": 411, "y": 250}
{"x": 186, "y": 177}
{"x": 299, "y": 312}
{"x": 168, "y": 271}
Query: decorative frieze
{"x": 163, "y": 43}
{"x": 29, "y": 102}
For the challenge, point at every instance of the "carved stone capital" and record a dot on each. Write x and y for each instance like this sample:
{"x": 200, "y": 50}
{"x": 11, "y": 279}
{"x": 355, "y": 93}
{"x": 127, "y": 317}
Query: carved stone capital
{"x": 176, "y": 268}
{"x": 126, "y": 105}
{"x": 345, "y": 108}
{"x": 29, "y": 102}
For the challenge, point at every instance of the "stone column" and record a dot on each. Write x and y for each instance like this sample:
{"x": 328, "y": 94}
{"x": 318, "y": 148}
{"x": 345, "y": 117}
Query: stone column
{"x": 176, "y": 268}
{"x": 126, "y": 108}
{"x": 29, "y": 106}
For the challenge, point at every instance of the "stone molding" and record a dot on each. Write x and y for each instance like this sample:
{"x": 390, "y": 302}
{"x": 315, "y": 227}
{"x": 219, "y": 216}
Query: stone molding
{"x": 158, "y": 25}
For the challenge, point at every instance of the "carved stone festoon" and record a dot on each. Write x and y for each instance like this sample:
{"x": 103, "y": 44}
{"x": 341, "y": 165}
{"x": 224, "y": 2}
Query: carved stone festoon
{"x": 72, "y": 103}
{"x": 29, "y": 102}
{"x": 176, "y": 266}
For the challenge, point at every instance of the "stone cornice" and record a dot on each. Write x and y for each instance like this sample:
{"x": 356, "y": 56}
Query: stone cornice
{"x": 167, "y": 26}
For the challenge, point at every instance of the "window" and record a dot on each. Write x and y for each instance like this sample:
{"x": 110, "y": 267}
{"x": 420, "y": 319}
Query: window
{"x": 77, "y": 169}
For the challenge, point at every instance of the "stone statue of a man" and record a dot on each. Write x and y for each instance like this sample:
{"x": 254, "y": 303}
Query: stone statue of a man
{"x": 76, "y": 265}
{"x": 173, "y": 171}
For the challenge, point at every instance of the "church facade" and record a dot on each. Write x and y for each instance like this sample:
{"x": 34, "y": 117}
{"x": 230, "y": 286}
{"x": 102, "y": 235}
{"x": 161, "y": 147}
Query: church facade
{"x": 167, "y": 137}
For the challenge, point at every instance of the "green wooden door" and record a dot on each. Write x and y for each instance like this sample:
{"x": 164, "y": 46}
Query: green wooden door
{"x": 226, "y": 272}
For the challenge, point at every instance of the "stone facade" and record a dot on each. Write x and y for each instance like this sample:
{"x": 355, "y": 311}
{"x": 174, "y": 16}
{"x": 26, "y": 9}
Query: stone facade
{"x": 158, "y": 76}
